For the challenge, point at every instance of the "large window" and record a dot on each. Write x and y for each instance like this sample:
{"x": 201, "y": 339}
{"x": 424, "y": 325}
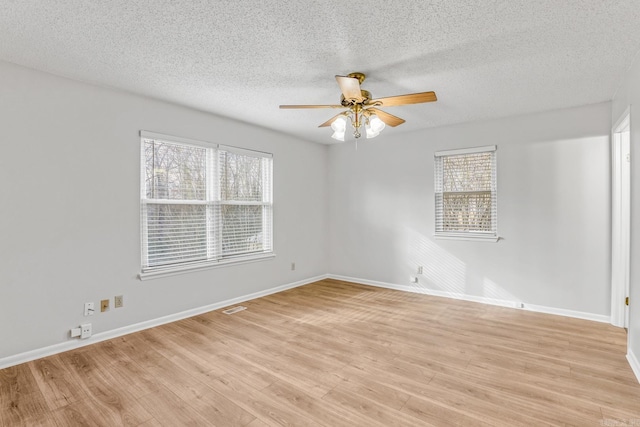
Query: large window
{"x": 202, "y": 204}
{"x": 465, "y": 193}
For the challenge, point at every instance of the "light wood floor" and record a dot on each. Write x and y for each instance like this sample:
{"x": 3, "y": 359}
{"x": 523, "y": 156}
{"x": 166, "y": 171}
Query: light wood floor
{"x": 338, "y": 354}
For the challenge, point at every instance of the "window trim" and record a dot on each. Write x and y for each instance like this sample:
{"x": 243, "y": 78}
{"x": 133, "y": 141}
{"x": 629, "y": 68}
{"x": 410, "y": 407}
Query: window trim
{"x": 203, "y": 265}
{"x": 185, "y": 267}
{"x": 485, "y": 236}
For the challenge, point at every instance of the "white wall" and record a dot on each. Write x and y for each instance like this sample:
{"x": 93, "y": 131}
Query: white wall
{"x": 553, "y": 212}
{"x": 69, "y": 221}
{"x": 628, "y": 94}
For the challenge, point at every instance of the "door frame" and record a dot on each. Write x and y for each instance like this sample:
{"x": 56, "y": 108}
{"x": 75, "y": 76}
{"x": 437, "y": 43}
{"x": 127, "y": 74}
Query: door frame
{"x": 620, "y": 218}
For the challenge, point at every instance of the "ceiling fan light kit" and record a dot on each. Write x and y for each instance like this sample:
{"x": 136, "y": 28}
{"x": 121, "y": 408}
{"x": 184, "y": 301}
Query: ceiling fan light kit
{"x": 374, "y": 126}
{"x": 361, "y": 108}
{"x": 339, "y": 126}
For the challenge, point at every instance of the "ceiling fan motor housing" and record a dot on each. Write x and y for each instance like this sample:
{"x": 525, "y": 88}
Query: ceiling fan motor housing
{"x": 366, "y": 96}
{"x": 356, "y": 75}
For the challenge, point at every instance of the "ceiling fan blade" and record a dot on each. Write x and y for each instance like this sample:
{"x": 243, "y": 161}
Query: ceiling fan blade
{"x": 412, "y": 98}
{"x": 331, "y": 120}
{"x": 350, "y": 88}
{"x": 388, "y": 119}
{"x": 311, "y": 106}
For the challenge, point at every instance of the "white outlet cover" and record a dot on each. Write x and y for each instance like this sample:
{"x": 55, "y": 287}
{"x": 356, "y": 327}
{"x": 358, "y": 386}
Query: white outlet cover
{"x": 85, "y": 330}
{"x": 89, "y": 309}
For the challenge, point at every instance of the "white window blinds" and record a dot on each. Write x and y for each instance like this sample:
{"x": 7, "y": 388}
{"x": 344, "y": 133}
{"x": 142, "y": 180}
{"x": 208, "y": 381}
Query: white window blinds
{"x": 245, "y": 202}
{"x": 466, "y": 193}
{"x": 202, "y": 203}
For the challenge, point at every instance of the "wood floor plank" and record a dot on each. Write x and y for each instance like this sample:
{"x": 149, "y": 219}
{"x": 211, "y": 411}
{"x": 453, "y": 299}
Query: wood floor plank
{"x": 259, "y": 377}
{"x": 169, "y": 410}
{"x": 112, "y": 401}
{"x": 218, "y": 410}
{"x": 294, "y": 369}
{"x": 487, "y": 404}
{"x": 388, "y": 374}
{"x": 367, "y": 411}
{"x": 80, "y": 413}
{"x": 315, "y": 409}
{"x": 431, "y": 413}
{"x": 55, "y": 383}
{"x": 21, "y": 399}
{"x": 375, "y": 390}
{"x": 195, "y": 391}
{"x": 262, "y": 405}
{"x": 335, "y": 353}
{"x": 257, "y": 423}
{"x": 542, "y": 401}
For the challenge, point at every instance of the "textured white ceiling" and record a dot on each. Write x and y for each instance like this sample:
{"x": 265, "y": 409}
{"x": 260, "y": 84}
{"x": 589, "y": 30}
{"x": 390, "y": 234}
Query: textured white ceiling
{"x": 241, "y": 59}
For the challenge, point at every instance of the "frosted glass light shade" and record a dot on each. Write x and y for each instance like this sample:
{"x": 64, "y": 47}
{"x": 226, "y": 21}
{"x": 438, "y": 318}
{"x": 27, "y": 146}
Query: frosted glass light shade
{"x": 369, "y": 132}
{"x": 338, "y": 135}
{"x": 376, "y": 124}
{"x": 339, "y": 125}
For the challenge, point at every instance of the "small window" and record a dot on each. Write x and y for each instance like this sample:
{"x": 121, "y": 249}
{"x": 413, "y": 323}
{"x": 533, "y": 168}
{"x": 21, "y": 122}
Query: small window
{"x": 465, "y": 193}
{"x": 202, "y": 204}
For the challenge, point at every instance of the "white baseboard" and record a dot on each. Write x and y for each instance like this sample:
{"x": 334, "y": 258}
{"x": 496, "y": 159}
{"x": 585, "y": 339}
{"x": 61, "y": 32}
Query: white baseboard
{"x": 635, "y": 365}
{"x": 568, "y": 313}
{"x": 422, "y": 290}
{"x": 114, "y": 333}
{"x": 483, "y": 300}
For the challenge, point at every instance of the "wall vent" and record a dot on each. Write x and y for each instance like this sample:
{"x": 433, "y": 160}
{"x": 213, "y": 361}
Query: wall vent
{"x": 234, "y": 309}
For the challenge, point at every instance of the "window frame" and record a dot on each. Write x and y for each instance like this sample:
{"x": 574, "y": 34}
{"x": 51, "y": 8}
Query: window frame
{"x": 213, "y": 217}
{"x": 471, "y": 235}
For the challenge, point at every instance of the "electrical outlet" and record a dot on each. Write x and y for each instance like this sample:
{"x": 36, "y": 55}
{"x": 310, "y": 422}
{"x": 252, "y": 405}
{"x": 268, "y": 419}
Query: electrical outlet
{"x": 420, "y": 269}
{"x": 88, "y": 309}
{"x": 293, "y": 266}
{"x": 104, "y": 305}
{"x": 118, "y": 301}
{"x": 85, "y": 331}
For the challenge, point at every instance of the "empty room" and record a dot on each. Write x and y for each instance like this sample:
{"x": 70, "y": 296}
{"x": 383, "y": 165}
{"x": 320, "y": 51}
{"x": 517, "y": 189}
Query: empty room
{"x": 328, "y": 213}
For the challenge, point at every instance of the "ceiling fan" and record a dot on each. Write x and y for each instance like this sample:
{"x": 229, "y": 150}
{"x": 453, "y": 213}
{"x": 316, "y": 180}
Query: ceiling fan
{"x": 362, "y": 108}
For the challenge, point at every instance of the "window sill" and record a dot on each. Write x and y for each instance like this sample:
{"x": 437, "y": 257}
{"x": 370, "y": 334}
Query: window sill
{"x": 172, "y": 271}
{"x": 468, "y": 237}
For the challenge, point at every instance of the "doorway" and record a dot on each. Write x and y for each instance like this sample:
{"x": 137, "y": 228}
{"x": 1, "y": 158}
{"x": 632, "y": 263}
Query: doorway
{"x": 620, "y": 219}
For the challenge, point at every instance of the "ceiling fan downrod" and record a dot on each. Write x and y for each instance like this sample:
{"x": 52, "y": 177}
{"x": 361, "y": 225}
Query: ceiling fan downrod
{"x": 356, "y": 122}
